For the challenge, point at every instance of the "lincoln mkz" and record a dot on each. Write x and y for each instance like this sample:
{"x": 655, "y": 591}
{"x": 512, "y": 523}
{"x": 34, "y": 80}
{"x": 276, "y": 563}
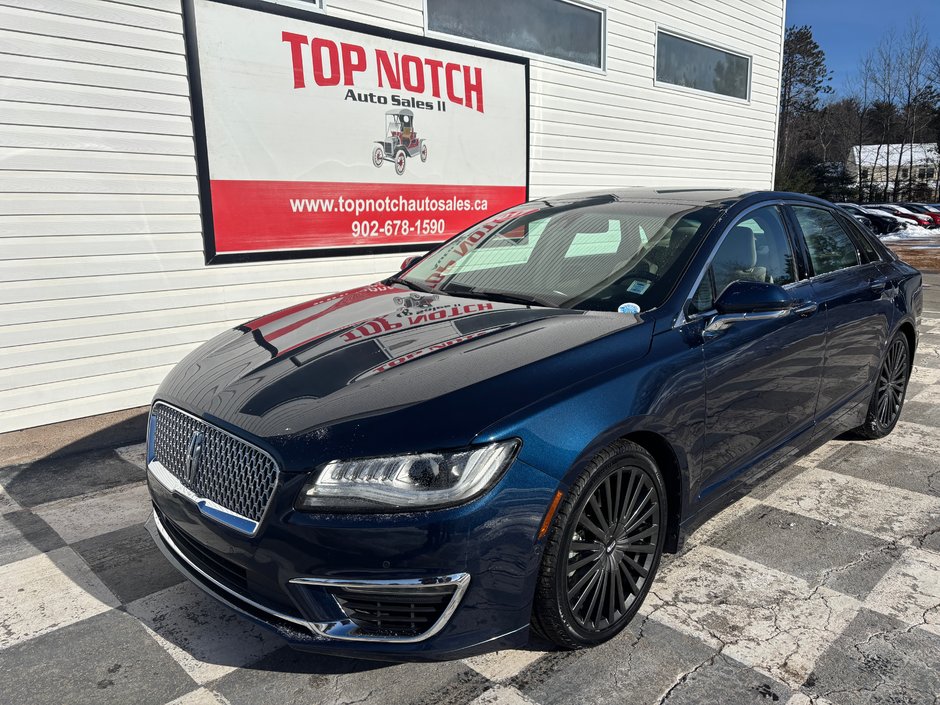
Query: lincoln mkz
{"x": 507, "y": 435}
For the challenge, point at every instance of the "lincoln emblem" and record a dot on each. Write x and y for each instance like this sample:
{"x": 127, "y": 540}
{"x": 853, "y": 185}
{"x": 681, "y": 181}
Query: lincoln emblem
{"x": 193, "y": 456}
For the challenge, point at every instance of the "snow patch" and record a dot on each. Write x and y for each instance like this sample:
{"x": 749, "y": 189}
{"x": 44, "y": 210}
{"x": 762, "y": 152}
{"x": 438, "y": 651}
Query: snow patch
{"x": 912, "y": 232}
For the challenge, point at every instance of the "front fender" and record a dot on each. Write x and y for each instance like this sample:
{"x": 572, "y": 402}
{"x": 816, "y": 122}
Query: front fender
{"x": 663, "y": 394}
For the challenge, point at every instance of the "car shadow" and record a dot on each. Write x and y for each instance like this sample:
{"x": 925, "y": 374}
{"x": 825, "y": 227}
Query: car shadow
{"x": 200, "y": 629}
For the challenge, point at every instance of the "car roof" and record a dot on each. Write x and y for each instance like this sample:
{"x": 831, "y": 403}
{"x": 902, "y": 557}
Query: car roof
{"x": 706, "y": 196}
{"x": 400, "y": 111}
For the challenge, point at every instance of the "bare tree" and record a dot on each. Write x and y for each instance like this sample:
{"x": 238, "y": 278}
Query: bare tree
{"x": 934, "y": 74}
{"x": 912, "y": 67}
{"x": 861, "y": 88}
{"x": 884, "y": 77}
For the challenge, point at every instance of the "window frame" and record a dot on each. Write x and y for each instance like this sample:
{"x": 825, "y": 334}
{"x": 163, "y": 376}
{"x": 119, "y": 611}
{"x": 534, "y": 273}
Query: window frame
{"x": 857, "y": 234}
{"x": 657, "y": 83}
{"x": 310, "y": 5}
{"x": 593, "y": 5}
{"x": 796, "y": 246}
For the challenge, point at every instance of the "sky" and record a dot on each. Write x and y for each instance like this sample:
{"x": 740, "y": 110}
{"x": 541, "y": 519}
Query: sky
{"x": 847, "y": 29}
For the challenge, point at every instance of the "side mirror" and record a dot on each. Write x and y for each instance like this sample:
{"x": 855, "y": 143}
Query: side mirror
{"x": 743, "y": 297}
{"x": 409, "y": 262}
{"x": 749, "y": 301}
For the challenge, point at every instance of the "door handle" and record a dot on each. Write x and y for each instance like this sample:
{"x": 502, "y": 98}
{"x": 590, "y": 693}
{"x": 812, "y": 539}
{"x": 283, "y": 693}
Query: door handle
{"x": 878, "y": 285}
{"x": 806, "y": 309}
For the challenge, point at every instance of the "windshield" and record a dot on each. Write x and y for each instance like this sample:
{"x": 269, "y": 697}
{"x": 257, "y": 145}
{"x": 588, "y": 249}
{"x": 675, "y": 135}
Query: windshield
{"x": 592, "y": 257}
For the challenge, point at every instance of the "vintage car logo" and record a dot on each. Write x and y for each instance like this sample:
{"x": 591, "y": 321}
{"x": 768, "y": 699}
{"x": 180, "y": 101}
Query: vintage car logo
{"x": 413, "y": 301}
{"x": 193, "y": 457}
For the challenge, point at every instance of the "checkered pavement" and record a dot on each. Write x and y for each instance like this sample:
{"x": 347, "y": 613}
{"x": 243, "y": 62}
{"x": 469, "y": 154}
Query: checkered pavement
{"x": 821, "y": 586}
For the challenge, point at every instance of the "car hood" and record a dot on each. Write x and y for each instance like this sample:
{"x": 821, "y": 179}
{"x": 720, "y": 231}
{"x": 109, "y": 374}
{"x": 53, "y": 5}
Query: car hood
{"x": 383, "y": 369}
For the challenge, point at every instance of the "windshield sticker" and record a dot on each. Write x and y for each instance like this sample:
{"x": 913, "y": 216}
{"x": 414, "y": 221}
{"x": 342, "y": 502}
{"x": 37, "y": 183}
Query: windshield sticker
{"x": 639, "y": 286}
{"x": 628, "y": 308}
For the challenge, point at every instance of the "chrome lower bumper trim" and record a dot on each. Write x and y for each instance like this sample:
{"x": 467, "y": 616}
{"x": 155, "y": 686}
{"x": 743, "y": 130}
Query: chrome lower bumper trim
{"x": 347, "y": 630}
{"x": 207, "y": 507}
{"x": 189, "y": 565}
{"x": 342, "y": 630}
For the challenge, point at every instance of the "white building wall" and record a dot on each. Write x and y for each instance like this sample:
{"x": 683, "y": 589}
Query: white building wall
{"x": 103, "y": 285}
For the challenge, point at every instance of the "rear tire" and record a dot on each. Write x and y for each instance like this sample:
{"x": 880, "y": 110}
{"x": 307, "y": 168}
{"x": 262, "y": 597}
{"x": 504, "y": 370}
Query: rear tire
{"x": 603, "y": 549}
{"x": 887, "y": 399}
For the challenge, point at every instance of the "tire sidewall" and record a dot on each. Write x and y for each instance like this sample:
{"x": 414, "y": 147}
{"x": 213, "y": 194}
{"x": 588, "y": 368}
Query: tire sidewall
{"x": 608, "y": 466}
{"x": 871, "y": 422}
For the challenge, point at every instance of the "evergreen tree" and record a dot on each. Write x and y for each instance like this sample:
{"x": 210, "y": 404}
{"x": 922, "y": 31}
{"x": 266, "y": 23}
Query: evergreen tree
{"x": 804, "y": 78}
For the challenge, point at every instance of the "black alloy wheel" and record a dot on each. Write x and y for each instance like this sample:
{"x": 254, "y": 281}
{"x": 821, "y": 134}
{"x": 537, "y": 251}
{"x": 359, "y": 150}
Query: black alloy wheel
{"x": 603, "y": 550}
{"x": 884, "y": 410}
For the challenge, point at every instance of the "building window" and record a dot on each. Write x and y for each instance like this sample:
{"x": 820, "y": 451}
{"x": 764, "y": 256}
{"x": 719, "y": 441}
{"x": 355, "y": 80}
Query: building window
{"x": 930, "y": 172}
{"x": 559, "y": 29}
{"x": 904, "y": 173}
{"x": 921, "y": 173}
{"x": 864, "y": 174}
{"x": 301, "y": 4}
{"x": 683, "y": 62}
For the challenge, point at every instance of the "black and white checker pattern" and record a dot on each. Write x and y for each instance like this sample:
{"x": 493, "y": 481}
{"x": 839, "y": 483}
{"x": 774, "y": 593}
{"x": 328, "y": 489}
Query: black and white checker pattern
{"x": 822, "y": 586}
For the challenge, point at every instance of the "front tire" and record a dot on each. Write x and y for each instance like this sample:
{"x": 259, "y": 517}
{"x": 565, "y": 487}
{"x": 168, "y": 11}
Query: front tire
{"x": 884, "y": 409}
{"x": 400, "y": 162}
{"x": 603, "y": 549}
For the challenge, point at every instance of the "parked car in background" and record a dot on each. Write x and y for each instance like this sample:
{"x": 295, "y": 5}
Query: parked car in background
{"x": 923, "y": 209}
{"x": 512, "y": 429}
{"x": 925, "y": 221}
{"x": 882, "y": 222}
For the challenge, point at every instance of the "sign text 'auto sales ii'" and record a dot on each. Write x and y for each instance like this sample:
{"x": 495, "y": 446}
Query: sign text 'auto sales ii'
{"x": 335, "y": 64}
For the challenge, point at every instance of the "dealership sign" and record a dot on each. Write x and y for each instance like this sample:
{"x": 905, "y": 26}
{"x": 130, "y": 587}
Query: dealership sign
{"x": 322, "y": 137}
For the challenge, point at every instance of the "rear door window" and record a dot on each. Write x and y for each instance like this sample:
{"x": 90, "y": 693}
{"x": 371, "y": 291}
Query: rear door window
{"x": 830, "y": 248}
{"x": 862, "y": 240}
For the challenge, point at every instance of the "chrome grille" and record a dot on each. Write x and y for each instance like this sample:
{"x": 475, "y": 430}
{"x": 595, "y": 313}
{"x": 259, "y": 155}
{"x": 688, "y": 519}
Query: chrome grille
{"x": 231, "y": 472}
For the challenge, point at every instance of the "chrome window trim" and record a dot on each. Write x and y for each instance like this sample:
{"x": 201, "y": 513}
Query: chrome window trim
{"x": 347, "y": 630}
{"x": 206, "y": 506}
{"x": 682, "y": 319}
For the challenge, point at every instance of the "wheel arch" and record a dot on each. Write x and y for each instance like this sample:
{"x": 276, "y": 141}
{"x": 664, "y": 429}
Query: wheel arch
{"x": 907, "y": 328}
{"x": 668, "y": 462}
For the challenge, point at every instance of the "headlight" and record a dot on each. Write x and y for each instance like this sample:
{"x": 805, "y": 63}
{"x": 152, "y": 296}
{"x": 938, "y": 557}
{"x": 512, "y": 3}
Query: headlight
{"x": 406, "y": 482}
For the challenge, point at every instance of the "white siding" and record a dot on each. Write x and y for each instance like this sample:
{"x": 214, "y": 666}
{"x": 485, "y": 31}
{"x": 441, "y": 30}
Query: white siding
{"x": 619, "y": 129}
{"x": 102, "y": 281}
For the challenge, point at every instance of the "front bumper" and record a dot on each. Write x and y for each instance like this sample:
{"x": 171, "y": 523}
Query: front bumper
{"x": 485, "y": 552}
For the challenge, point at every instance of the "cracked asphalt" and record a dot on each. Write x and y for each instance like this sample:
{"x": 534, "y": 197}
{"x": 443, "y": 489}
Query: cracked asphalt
{"x": 820, "y": 586}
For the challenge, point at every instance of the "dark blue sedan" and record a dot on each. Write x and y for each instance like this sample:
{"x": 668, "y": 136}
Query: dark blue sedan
{"x": 511, "y": 431}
